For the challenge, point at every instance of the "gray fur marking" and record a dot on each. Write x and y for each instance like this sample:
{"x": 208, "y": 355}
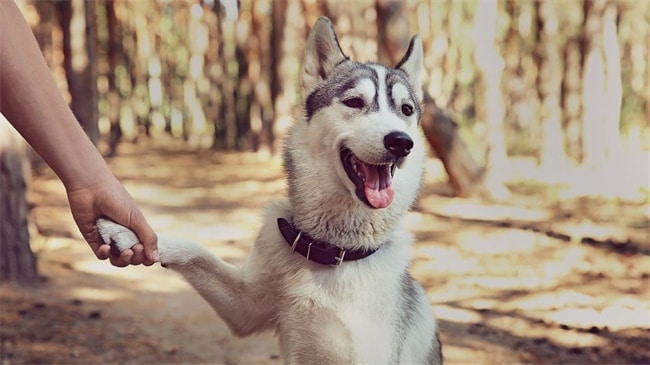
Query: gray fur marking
{"x": 347, "y": 76}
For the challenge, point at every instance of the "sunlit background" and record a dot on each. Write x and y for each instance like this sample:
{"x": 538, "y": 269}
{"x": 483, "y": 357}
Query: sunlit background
{"x": 532, "y": 231}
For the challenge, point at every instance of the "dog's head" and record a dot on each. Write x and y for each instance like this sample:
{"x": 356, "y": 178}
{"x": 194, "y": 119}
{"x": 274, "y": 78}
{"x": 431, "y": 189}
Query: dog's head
{"x": 360, "y": 141}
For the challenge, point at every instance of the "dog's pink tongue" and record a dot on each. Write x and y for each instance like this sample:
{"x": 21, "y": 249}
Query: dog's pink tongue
{"x": 378, "y": 188}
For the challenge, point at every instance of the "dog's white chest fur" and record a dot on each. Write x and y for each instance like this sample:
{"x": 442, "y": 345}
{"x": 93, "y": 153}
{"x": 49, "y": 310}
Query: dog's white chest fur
{"x": 372, "y": 334}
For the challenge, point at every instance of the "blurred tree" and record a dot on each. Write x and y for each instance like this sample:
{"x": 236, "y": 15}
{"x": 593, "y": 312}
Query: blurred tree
{"x": 601, "y": 88}
{"x": 549, "y": 85}
{"x": 77, "y": 19}
{"x": 243, "y": 88}
{"x": 280, "y": 78}
{"x": 466, "y": 176}
{"x": 226, "y": 73}
{"x": 226, "y": 124}
{"x": 126, "y": 73}
{"x": 392, "y": 31}
{"x": 312, "y": 10}
{"x": 634, "y": 33}
{"x": 521, "y": 72}
{"x": 17, "y": 262}
{"x": 114, "y": 52}
{"x": 214, "y": 70}
{"x": 351, "y": 19}
{"x": 196, "y": 85}
{"x": 571, "y": 98}
{"x": 258, "y": 54}
{"x": 489, "y": 96}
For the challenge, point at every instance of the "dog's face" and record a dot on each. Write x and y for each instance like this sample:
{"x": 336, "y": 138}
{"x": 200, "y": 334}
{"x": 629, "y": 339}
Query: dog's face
{"x": 362, "y": 125}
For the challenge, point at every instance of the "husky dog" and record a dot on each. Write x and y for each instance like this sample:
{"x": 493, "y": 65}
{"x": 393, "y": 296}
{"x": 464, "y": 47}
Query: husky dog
{"x": 329, "y": 269}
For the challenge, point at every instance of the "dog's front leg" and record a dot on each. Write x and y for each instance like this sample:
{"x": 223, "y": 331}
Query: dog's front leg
{"x": 222, "y": 285}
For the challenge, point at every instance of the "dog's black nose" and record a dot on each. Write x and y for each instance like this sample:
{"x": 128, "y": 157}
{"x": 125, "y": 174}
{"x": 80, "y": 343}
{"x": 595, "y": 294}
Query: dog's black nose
{"x": 399, "y": 144}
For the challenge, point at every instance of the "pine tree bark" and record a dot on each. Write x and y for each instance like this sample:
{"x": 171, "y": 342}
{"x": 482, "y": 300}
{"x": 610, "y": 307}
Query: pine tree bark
{"x": 17, "y": 262}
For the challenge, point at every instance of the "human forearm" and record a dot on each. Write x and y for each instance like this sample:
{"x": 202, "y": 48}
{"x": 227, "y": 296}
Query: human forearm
{"x": 30, "y": 100}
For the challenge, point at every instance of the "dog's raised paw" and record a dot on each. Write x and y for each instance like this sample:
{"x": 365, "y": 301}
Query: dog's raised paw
{"x": 116, "y": 235}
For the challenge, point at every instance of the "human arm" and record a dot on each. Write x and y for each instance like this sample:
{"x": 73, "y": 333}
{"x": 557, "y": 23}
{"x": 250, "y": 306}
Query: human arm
{"x": 31, "y": 101}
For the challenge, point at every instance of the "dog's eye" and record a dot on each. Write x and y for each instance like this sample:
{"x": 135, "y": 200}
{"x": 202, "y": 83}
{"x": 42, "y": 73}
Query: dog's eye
{"x": 356, "y": 103}
{"x": 407, "y": 110}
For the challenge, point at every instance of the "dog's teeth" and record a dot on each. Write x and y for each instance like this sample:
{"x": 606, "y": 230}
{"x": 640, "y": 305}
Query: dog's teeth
{"x": 355, "y": 167}
{"x": 353, "y": 163}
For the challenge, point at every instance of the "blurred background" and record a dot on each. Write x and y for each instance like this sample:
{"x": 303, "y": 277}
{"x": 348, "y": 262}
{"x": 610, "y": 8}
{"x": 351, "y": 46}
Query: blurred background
{"x": 533, "y": 227}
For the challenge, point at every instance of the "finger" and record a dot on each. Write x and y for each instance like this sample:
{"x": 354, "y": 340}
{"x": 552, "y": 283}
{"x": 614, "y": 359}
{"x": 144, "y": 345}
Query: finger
{"x": 101, "y": 251}
{"x": 99, "y": 247}
{"x": 138, "y": 254}
{"x": 124, "y": 259}
{"x": 147, "y": 237}
{"x": 147, "y": 261}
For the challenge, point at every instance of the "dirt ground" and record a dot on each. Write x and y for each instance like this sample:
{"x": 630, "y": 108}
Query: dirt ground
{"x": 545, "y": 278}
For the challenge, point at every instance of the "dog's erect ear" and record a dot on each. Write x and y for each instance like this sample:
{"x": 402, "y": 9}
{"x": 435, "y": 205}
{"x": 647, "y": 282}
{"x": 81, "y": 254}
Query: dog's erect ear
{"x": 412, "y": 63}
{"x": 322, "y": 54}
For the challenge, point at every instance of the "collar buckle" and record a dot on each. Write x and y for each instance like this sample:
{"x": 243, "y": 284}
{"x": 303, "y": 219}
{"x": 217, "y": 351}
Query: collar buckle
{"x": 338, "y": 259}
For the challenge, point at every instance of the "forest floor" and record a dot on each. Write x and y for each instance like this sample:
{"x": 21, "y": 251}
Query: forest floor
{"x": 547, "y": 277}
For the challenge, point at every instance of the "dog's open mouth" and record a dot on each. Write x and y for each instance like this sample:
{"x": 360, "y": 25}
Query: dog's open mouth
{"x": 373, "y": 182}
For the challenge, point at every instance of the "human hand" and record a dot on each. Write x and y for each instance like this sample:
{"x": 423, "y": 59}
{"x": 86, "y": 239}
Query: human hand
{"x": 111, "y": 200}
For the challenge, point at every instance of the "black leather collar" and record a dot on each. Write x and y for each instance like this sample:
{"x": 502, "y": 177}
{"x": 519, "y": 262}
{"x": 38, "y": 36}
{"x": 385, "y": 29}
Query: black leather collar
{"x": 321, "y": 252}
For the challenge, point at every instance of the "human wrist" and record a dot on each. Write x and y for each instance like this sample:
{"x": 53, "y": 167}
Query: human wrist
{"x": 85, "y": 175}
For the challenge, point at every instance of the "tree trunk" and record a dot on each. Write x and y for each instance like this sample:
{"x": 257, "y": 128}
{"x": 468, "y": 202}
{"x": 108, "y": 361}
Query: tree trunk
{"x": 77, "y": 20}
{"x": 489, "y": 97}
{"x": 441, "y": 131}
{"x": 392, "y": 31}
{"x": 358, "y": 41}
{"x": 601, "y": 88}
{"x": 258, "y": 55}
{"x": 521, "y": 71}
{"x": 214, "y": 71}
{"x": 549, "y": 86}
{"x": 113, "y": 52}
{"x": 226, "y": 125}
{"x": 17, "y": 262}
{"x": 571, "y": 99}
{"x": 243, "y": 88}
{"x": 196, "y": 92}
{"x": 281, "y": 30}
{"x": 614, "y": 90}
{"x": 466, "y": 176}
